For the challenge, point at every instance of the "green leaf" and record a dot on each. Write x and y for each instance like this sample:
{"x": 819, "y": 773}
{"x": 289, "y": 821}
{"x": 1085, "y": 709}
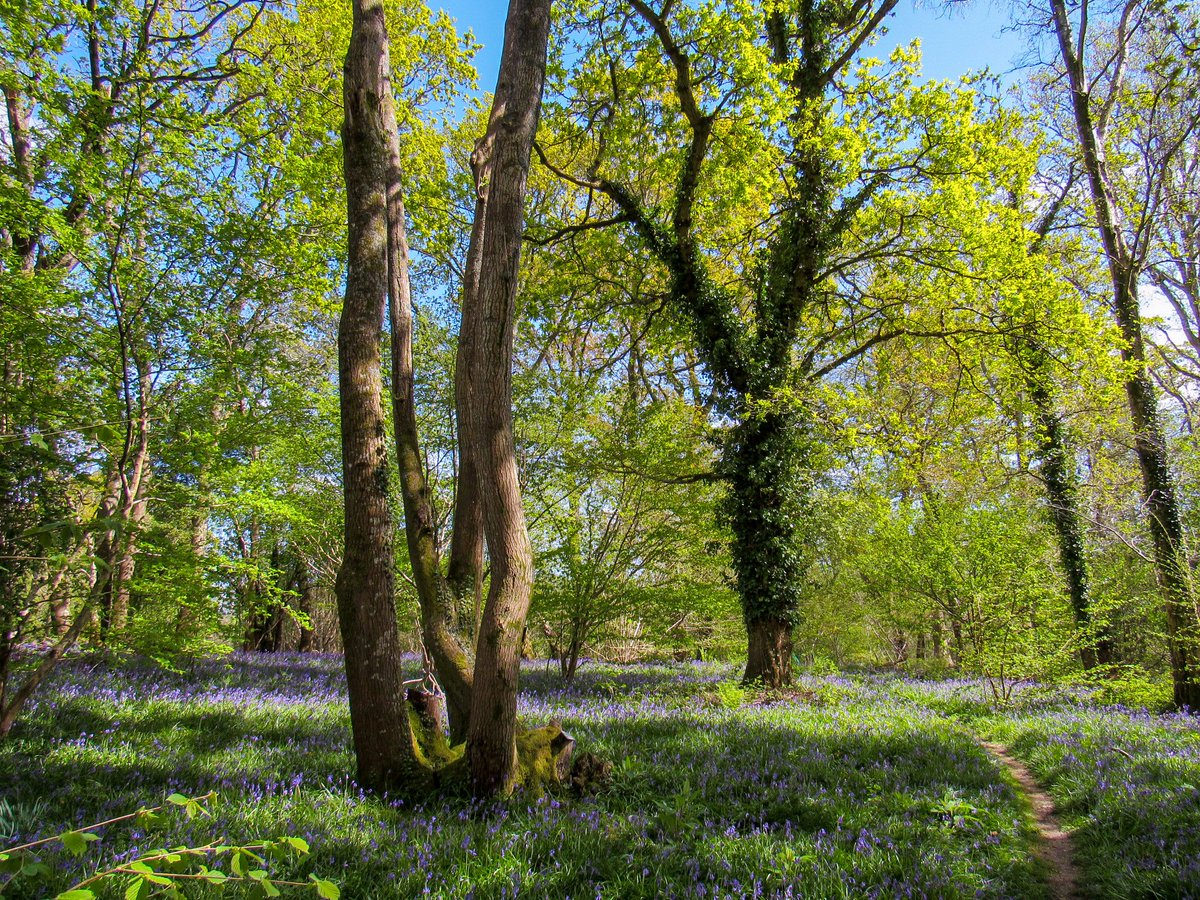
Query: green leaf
{"x": 326, "y": 890}
{"x": 11, "y": 863}
{"x": 77, "y": 841}
{"x": 213, "y": 876}
{"x": 300, "y": 845}
{"x": 178, "y": 800}
{"x": 139, "y": 889}
{"x": 76, "y": 894}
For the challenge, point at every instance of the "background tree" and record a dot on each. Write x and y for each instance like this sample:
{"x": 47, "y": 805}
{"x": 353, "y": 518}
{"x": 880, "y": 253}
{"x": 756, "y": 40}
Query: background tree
{"x": 1124, "y": 222}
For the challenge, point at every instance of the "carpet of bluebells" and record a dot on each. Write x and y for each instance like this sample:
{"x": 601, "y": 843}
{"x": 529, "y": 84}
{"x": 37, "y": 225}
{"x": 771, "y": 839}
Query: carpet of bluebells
{"x": 851, "y": 786}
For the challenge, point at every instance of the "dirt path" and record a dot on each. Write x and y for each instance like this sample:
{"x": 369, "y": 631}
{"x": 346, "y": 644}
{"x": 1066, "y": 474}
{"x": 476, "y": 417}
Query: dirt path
{"x": 1055, "y": 846}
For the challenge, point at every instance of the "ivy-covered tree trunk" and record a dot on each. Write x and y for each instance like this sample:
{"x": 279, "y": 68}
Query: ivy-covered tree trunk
{"x": 764, "y": 515}
{"x": 1062, "y": 490}
{"x": 501, "y": 164}
{"x": 383, "y": 746}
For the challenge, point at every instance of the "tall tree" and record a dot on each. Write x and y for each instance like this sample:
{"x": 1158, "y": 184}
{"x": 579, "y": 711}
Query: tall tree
{"x": 365, "y": 583}
{"x": 1057, "y": 454}
{"x": 1123, "y": 224}
{"x": 786, "y": 169}
{"x": 501, "y": 167}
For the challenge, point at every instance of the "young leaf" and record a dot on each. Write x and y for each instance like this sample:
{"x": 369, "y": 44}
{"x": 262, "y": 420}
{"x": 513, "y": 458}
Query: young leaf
{"x": 326, "y": 890}
{"x": 299, "y": 845}
{"x": 77, "y": 841}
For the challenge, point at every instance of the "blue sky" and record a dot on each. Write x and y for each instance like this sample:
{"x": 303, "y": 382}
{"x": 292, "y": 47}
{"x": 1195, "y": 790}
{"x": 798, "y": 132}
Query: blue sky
{"x": 953, "y": 44}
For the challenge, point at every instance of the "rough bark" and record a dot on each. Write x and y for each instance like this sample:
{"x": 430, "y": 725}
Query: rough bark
{"x": 501, "y": 163}
{"x": 383, "y": 744}
{"x": 769, "y": 660}
{"x": 1158, "y": 484}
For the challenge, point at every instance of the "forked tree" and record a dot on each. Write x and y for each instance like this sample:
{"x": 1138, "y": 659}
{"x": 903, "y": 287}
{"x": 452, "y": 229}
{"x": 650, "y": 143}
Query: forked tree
{"x": 388, "y": 751}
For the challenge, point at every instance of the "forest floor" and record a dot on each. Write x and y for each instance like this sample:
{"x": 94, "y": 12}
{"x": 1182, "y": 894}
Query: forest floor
{"x": 870, "y": 785}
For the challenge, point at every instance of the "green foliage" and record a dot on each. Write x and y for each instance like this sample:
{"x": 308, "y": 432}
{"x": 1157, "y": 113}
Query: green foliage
{"x": 163, "y": 872}
{"x": 730, "y": 695}
{"x": 1132, "y": 687}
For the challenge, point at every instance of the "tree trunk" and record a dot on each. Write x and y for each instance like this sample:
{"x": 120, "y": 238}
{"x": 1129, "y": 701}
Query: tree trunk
{"x": 769, "y": 660}
{"x": 766, "y": 503}
{"x": 501, "y": 164}
{"x": 125, "y": 508}
{"x": 383, "y": 746}
{"x": 1158, "y": 483}
{"x": 107, "y": 552}
{"x": 438, "y": 614}
{"x": 1062, "y": 490}
{"x": 306, "y": 602}
{"x": 464, "y": 573}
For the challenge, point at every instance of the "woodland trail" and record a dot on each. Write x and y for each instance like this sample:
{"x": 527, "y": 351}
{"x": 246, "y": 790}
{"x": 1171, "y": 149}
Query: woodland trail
{"x": 1055, "y": 847}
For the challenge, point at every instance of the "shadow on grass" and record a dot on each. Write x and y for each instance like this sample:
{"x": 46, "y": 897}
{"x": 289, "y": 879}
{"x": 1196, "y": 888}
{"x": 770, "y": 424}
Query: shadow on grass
{"x": 850, "y": 802}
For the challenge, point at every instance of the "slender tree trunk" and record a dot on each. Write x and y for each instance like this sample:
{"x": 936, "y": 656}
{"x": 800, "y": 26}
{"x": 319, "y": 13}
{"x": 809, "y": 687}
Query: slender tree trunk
{"x": 306, "y": 602}
{"x": 1158, "y": 483}
{"x": 501, "y": 163}
{"x": 15, "y": 702}
{"x": 1062, "y": 490}
{"x": 450, "y": 659}
{"x": 107, "y": 551}
{"x": 383, "y": 745}
{"x": 25, "y": 245}
{"x": 464, "y": 573}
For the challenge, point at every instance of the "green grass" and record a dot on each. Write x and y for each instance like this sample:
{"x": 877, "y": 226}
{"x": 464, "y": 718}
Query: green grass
{"x": 851, "y": 787}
